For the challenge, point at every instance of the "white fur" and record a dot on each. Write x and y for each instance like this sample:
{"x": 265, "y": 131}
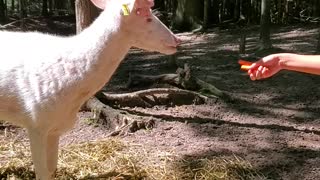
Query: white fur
{"x": 44, "y": 79}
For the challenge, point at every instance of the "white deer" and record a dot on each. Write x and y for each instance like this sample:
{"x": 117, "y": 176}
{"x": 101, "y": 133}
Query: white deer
{"x": 45, "y": 79}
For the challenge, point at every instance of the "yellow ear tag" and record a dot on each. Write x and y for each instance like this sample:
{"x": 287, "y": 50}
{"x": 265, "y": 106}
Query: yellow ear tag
{"x": 125, "y": 10}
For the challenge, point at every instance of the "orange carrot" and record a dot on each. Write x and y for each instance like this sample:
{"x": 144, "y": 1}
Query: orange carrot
{"x": 243, "y": 62}
{"x": 245, "y": 67}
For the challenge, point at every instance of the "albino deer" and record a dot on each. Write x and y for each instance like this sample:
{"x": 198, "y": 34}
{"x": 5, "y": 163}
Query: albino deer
{"x": 45, "y": 79}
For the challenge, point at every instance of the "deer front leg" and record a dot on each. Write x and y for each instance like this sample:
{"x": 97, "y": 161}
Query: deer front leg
{"x": 52, "y": 152}
{"x": 38, "y": 143}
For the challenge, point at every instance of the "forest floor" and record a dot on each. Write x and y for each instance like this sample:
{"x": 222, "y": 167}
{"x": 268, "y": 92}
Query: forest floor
{"x": 273, "y": 124}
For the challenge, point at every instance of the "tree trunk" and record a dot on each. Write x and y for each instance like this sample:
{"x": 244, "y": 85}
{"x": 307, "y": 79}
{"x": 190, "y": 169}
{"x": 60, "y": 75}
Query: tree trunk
{"x": 6, "y": 8}
{"x": 220, "y": 13}
{"x": 188, "y": 15}
{"x": 2, "y": 12}
{"x": 242, "y": 45}
{"x": 318, "y": 46}
{"x": 22, "y": 12}
{"x": 205, "y": 14}
{"x": 44, "y": 7}
{"x": 86, "y": 12}
{"x": 12, "y": 6}
{"x": 316, "y": 8}
{"x": 224, "y": 10}
{"x": 280, "y": 12}
{"x": 287, "y": 14}
{"x": 22, "y": 8}
{"x": 253, "y": 12}
{"x": 60, "y": 6}
{"x": 214, "y": 11}
{"x": 50, "y": 6}
{"x": 72, "y": 6}
{"x": 265, "y": 42}
{"x": 236, "y": 14}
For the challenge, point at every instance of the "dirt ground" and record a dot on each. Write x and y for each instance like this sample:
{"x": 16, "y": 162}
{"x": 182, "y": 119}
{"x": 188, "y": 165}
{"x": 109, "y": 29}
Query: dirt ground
{"x": 274, "y": 124}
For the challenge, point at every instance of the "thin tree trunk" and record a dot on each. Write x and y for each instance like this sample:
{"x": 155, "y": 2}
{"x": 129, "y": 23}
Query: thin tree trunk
{"x": 12, "y": 6}
{"x": 205, "y": 14}
{"x": 50, "y": 6}
{"x": 318, "y": 46}
{"x": 242, "y": 45}
{"x": 72, "y": 6}
{"x": 60, "y": 6}
{"x": 220, "y": 12}
{"x": 253, "y": 11}
{"x": 241, "y": 8}
{"x": 188, "y": 15}
{"x": 285, "y": 12}
{"x": 224, "y": 10}
{"x": 280, "y": 12}
{"x": 236, "y": 14}
{"x": 2, "y": 12}
{"x": 316, "y": 8}
{"x": 265, "y": 25}
{"x": 22, "y": 8}
{"x": 6, "y": 8}
{"x": 44, "y": 7}
{"x": 22, "y": 12}
{"x": 214, "y": 11}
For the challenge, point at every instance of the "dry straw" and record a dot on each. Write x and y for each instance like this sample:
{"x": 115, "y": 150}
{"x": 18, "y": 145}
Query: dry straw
{"x": 113, "y": 159}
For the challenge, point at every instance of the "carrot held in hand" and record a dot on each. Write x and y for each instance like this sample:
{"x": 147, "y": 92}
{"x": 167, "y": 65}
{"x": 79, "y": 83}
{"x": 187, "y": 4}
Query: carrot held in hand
{"x": 245, "y": 65}
{"x": 243, "y": 62}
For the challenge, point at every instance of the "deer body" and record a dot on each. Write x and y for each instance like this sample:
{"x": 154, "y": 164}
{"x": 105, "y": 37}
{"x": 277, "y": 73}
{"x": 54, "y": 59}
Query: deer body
{"x": 46, "y": 79}
{"x": 55, "y": 75}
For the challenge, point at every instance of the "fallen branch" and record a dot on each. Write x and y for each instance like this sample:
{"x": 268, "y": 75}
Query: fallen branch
{"x": 14, "y": 22}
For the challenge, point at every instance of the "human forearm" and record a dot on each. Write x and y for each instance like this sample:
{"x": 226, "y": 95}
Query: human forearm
{"x": 302, "y": 63}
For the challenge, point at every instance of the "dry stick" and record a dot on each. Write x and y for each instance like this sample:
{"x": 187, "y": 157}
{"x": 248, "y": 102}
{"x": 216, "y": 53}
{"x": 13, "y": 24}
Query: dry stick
{"x": 17, "y": 21}
{"x": 10, "y": 24}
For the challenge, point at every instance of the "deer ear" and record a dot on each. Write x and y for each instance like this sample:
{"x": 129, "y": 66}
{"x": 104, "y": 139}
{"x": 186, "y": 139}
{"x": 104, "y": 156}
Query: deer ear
{"x": 99, "y": 3}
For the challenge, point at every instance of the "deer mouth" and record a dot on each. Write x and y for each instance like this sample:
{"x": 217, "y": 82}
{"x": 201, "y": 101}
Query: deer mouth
{"x": 170, "y": 49}
{"x": 175, "y": 43}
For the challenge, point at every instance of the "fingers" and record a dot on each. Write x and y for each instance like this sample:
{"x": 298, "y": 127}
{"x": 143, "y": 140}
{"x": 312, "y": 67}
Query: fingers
{"x": 258, "y": 72}
{"x": 264, "y": 68}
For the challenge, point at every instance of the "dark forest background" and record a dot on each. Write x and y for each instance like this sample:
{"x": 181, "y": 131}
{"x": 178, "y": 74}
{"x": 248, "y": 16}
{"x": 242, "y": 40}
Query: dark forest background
{"x": 183, "y": 15}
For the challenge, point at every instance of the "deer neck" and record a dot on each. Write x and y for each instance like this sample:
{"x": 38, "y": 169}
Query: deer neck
{"x": 101, "y": 48}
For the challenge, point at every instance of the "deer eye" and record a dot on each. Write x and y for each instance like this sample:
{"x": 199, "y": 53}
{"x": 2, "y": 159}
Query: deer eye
{"x": 149, "y": 20}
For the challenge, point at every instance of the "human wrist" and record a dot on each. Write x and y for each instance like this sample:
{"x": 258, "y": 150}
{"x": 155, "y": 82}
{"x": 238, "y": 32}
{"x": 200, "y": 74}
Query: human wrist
{"x": 285, "y": 59}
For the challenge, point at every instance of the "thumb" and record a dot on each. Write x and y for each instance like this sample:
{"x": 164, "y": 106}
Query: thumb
{"x": 253, "y": 67}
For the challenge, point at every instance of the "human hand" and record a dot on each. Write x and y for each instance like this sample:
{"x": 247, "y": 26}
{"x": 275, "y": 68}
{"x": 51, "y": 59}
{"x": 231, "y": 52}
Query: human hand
{"x": 265, "y": 67}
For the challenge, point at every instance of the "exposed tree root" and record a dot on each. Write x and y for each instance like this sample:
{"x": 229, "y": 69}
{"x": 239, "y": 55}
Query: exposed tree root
{"x": 110, "y": 106}
{"x": 152, "y": 97}
{"x": 121, "y": 121}
{"x": 182, "y": 79}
